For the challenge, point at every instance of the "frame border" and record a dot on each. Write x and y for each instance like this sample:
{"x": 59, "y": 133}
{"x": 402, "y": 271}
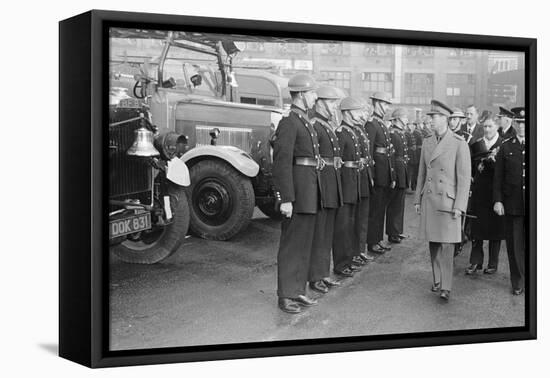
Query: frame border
{"x": 83, "y": 264}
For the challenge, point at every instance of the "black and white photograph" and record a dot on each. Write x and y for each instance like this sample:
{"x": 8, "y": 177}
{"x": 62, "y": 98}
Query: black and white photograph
{"x": 263, "y": 188}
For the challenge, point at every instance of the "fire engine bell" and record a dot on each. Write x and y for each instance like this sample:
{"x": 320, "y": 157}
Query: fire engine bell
{"x": 143, "y": 144}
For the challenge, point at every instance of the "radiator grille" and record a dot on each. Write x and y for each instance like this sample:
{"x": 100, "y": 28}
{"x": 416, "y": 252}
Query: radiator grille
{"x": 127, "y": 175}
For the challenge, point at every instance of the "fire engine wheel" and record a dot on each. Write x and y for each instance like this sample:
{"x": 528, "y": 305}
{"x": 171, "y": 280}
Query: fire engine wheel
{"x": 222, "y": 200}
{"x": 269, "y": 210}
{"x": 159, "y": 242}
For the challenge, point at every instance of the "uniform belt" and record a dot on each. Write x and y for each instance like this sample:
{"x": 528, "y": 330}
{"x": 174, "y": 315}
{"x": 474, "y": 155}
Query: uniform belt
{"x": 351, "y": 164}
{"x": 310, "y": 162}
{"x": 380, "y": 150}
{"x": 328, "y": 161}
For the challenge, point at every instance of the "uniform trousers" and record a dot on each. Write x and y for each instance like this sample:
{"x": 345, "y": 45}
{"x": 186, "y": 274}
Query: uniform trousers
{"x": 515, "y": 246}
{"x": 361, "y": 225}
{"x": 344, "y": 229}
{"x": 413, "y": 170}
{"x": 395, "y": 212}
{"x": 294, "y": 254}
{"x": 441, "y": 255}
{"x": 477, "y": 254}
{"x": 379, "y": 201}
{"x": 319, "y": 266}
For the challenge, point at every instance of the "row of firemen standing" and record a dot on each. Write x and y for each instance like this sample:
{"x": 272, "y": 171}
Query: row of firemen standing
{"x": 339, "y": 186}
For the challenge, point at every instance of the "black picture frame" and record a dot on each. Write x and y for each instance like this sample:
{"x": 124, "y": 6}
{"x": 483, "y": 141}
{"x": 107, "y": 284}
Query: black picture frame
{"x": 83, "y": 263}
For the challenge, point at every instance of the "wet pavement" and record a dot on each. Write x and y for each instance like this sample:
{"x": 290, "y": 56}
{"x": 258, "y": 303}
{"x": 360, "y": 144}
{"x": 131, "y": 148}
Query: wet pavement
{"x": 211, "y": 292}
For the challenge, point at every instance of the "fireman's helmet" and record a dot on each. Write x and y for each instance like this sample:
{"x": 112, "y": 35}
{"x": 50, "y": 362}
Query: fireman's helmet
{"x": 301, "y": 83}
{"x": 351, "y": 103}
{"x": 381, "y": 96}
{"x": 398, "y": 113}
{"x": 328, "y": 93}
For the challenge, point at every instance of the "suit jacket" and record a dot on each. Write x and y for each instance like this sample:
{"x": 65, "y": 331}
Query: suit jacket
{"x": 350, "y": 151}
{"x": 444, "y": 177}
{"x": 509, "y": 178}
{"x": 331, "y": 184}
{"x": 365, "y": 174}
{"x": 296, "y": 137}
{"x": 400, "y": 158}
{"x": 474, "y": 135}
{"x": 379, "y": 136}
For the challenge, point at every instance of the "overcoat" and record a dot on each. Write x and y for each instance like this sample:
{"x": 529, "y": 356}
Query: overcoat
{"x": 444, "y": 177}
{"x": 488, "y": 225}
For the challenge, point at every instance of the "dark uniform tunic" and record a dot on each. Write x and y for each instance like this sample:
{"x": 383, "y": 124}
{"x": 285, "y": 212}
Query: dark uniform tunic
{"x": 342, "y": 246}
{"x": 295, "y": 138}
{"x": 511, "y": 132}
{"x": 366, "y": 183}
{"x": 509, "y": 188}
{"x": 332, "y": 198}
{"x": 379, "y": 137}
{"x": 488, "y": 225}
{"x": 396, "y": 206}
{"x": 412, "y": 163}
{"x": 414, "y": 175}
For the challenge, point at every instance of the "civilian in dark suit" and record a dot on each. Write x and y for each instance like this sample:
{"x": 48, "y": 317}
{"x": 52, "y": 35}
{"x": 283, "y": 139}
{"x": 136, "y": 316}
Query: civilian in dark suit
{"x": 472, "y": 127}
{"x": 509, "y": 197}
{"x": 384, "y": 180}
{"x": 487, "y": 226}
{"x": 328, "y": 99}
{"x": 396, "y": 207}
{"x": 296, "y": 164}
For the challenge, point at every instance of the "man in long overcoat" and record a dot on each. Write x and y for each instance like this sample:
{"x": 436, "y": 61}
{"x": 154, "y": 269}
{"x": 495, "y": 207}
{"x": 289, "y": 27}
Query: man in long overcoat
{"x": 442, "y": 194}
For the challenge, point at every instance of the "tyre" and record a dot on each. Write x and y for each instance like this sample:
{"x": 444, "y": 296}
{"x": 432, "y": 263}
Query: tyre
{"x": 269, "y": 210}
{"x": 158, "y": 243}
{"x": 222, "y": 200}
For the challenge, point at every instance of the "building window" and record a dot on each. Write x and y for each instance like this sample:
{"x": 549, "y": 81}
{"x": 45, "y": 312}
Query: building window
{"x": 419, "y": 51}
{"x": 419, "y": 88}
{"x": 293, "y": 48}
{"x": 340, "y": 79}
{"x": 255, "y": 46}
{"x": 377, "y": 82}
{"x": 461, "y": 89}
{"x": 374, "y": 49}
{"x": 337, "y": 48}
{"x": 461, "y": 53}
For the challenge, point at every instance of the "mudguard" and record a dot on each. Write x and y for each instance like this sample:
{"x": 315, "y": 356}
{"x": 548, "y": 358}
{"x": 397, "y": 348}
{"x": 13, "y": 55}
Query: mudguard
{"x": 238, "y": 159}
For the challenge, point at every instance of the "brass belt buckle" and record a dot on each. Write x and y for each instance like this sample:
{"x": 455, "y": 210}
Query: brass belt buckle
{"x": 337, "y": 162}
{"x": 320, "y": 164}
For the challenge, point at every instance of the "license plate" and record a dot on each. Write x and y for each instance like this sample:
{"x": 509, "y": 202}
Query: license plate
{"x": 129, "y": 225}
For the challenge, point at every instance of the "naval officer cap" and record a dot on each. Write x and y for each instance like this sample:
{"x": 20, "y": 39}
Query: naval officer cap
{"x": 503, "y": 112}
{"x": 439, "y": 108}
{"x": 381, "y": 96}
{"x": 519, "y": 113}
